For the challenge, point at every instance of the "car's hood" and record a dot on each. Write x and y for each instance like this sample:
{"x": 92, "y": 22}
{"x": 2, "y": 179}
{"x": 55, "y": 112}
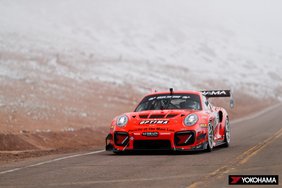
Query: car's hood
{"x": 160, "y": 114}
{"x": 158, "y": 117}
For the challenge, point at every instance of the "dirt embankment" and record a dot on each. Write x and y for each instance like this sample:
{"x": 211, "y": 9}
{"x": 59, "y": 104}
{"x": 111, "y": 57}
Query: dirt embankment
{"x": 19, "y": 146}
{"x": 84, "y": 127}
{"x": 52, "y": 140}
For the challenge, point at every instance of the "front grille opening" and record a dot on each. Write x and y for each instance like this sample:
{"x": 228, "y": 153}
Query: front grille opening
{"x": 157, "y": 116}
{"x": 121, "y": 138}
{"x": 152, "y": 145}
{"x": 184, "y": 138}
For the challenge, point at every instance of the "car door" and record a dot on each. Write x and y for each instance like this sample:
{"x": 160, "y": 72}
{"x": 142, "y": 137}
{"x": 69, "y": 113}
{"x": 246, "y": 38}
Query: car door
{"x": 213, "y": 116}
{"x": 216, "y": 123}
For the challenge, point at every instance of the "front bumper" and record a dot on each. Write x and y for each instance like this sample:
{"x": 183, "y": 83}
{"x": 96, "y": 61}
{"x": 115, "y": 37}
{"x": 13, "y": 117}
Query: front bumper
{"x": 189, "y": 140}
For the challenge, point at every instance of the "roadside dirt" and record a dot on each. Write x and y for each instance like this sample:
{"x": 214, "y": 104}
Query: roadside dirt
{"x": 16, "y": 147}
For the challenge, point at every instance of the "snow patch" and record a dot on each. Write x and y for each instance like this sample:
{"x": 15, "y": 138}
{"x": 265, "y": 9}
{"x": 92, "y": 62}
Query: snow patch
{"x": 147, "y": 44}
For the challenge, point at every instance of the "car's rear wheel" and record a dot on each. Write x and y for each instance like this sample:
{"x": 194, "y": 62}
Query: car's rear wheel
{"x": 227, "y": 134}
{"x": 210, "y": 138}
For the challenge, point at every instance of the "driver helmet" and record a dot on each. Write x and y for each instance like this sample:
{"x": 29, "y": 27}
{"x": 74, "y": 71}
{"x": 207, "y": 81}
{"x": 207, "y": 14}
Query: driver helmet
{"x": 191, "y": 104}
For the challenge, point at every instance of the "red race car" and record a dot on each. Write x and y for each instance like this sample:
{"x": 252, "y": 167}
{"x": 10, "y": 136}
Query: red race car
{"x": 172, "y": 120}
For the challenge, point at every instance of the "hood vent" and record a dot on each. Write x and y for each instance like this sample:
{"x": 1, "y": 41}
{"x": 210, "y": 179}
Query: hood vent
{"x": 171, "y": 115}
{"x": 144, "y": 116}
{"x": 156, "y": 116}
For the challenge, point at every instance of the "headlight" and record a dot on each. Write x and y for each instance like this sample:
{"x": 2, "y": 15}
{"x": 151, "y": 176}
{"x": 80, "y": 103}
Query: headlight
{"x": 190, "y": 120}
{"x": 122, "y": 121}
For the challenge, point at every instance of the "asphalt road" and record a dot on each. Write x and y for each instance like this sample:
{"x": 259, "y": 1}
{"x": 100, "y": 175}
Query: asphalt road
{"x": 256, "y": 148}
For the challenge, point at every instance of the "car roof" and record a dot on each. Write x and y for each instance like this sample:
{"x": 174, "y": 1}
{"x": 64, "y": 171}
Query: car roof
{"x": 176, "y": 92}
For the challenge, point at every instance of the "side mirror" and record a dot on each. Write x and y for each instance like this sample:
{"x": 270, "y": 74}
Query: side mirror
{"x": 231, "y": 102}
{"x": 207, "y": 103}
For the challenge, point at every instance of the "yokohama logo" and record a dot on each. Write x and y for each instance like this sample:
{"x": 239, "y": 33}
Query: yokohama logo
{"x": 253, "y": 180}
{"x": 219, "y": 92}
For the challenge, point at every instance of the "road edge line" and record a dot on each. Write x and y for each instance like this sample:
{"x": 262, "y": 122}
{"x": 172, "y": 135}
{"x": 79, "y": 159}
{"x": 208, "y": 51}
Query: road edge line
{"x": 50, "y": 161}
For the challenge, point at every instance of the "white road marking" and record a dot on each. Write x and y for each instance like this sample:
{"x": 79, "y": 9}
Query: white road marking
{"x": 51, "y": 161}
{"x": 259, "y": 113}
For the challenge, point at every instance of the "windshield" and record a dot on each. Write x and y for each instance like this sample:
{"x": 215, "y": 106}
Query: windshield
{"x": 174, "y": 101}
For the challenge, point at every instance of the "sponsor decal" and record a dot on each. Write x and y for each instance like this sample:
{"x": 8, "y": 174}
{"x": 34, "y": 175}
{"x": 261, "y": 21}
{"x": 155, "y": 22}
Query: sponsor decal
{"x": 150, "y": 134}
{"x": 165, "y": 133}
{"x": 151, "y": 129}
{"x": 169, "y": 97}
{"x": 146, "y": 122}
{"x": 204, "y": 125}
{"x": 253, "y": 179}
{"x": 218, "y": 92}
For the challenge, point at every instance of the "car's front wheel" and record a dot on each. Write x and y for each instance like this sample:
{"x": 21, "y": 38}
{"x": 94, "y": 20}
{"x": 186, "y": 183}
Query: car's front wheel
{"x": 210, "y": 138}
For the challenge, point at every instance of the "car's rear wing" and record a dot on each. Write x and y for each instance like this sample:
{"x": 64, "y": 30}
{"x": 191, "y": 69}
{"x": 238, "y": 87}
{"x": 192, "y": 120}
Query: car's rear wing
{"x": 219, "y": 93}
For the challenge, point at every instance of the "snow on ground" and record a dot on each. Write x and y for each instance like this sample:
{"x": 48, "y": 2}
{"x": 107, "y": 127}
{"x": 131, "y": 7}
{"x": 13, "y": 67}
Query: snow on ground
{"x": 146, "y": 43}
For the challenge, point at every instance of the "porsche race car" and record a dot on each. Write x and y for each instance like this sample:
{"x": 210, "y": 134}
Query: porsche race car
{"x": 172, "y": 120}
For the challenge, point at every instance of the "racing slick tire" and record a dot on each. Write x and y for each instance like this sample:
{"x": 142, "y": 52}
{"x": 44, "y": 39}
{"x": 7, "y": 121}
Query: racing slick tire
{"x": 227, "y": 134}
{"x": 210, "y": 138}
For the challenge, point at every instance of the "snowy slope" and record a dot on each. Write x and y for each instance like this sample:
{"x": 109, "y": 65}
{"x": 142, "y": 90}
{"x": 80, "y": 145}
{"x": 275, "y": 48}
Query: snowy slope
{"x": 146, "y": 43}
